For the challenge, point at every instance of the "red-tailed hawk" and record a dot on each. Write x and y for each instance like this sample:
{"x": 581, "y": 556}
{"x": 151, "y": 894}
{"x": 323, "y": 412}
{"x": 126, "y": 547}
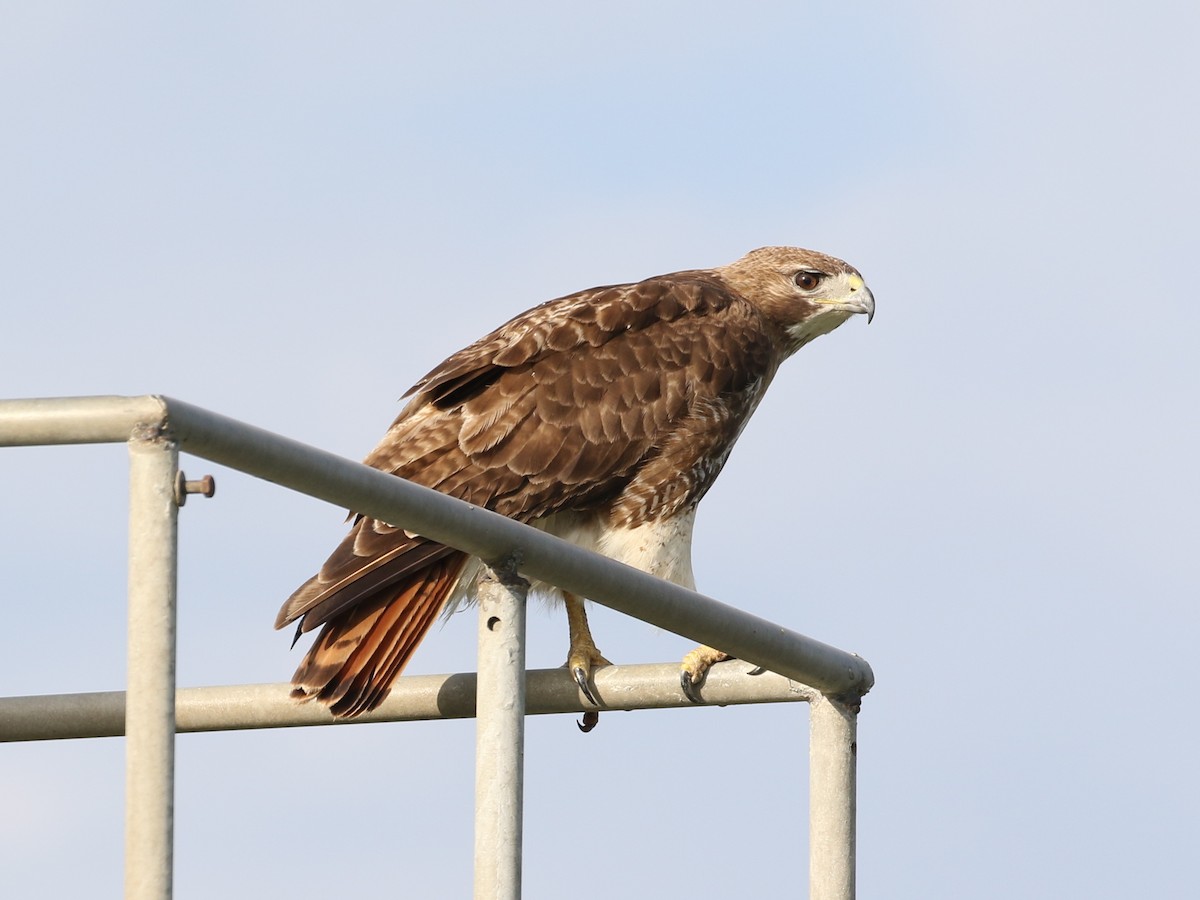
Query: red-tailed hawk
{"x": 602, "y": 417}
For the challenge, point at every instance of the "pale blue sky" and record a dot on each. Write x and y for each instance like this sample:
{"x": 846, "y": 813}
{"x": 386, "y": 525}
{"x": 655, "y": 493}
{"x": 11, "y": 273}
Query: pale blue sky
{"x": 289, "y": 212}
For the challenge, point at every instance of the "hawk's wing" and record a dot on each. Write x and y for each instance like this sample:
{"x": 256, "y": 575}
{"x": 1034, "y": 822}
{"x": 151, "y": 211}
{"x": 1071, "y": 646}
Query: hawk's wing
{"x": 617, "y": 392}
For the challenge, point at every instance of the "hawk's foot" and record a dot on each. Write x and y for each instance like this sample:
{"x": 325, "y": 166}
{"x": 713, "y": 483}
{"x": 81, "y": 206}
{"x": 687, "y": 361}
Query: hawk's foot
{"x": 583, "y": 655}
{"x": 695, "y": 666}
{"x": 583, "y": 658}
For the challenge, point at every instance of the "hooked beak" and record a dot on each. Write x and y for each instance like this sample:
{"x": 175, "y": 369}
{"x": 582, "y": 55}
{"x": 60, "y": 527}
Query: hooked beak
{"x": 866, "y": 304}
{"x": 860, "y": 300}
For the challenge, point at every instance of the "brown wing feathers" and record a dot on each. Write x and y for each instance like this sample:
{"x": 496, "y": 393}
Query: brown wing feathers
{"x": 560, "y": 408}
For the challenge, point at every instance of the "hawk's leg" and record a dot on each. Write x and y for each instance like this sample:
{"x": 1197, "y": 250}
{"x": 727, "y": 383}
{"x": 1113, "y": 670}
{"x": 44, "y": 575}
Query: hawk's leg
{"x": 583, "y": 655}
{"x": 695, "y": 667}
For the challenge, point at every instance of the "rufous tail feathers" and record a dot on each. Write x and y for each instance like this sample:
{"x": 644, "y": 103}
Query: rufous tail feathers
{"x": 361, "y": 651}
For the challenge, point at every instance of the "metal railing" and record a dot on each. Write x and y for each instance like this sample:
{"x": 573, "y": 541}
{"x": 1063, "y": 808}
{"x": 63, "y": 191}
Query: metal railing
{"x": 151, "y": 711}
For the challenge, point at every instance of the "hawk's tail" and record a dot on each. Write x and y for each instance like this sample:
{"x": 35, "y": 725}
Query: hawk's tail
{"x": 362, "y": 650}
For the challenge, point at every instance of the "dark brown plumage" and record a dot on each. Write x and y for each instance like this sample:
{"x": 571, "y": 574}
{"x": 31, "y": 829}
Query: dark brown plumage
{"x": 603, "y": 417}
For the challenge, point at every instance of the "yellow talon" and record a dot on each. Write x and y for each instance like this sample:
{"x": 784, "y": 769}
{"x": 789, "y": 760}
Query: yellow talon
{"x": 583, "y": 656}
{"x": 694, "y": 667}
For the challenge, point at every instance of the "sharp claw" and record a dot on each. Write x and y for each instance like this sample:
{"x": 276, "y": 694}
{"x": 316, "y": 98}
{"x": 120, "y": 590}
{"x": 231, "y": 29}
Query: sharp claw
{"x": 581, "y": 679}
{"x": 591, "y": 719}
{"x": 689, "y": 687}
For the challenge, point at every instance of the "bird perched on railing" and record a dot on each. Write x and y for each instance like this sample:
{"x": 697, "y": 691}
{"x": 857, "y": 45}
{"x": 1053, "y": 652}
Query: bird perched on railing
{"x": 602, "y": 417}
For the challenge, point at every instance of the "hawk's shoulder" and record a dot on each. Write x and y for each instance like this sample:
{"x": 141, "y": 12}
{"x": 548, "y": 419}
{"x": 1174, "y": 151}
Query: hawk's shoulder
{"x": 576, "y": 323}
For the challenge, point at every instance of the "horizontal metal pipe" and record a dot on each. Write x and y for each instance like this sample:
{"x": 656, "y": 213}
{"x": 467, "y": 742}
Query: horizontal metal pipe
{"x": 54, "y": 717}
{"x": 491, "y": 537}
{"x": 76, "y": 420}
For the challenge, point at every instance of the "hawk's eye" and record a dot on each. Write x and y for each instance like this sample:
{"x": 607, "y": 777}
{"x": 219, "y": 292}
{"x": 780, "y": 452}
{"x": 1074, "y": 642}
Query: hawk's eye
{"x": 806, "y": 280}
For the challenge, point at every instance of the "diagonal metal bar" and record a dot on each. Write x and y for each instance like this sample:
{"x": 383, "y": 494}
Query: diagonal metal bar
{"x": 490, "y": 536}
{"x": 479, "y": 531}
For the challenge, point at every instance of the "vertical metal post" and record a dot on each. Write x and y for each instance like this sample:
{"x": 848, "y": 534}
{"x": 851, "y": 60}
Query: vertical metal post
{"x": 833, "y": 753}
{"x": 150, "y": 700}
{"x": 500, "y": 733}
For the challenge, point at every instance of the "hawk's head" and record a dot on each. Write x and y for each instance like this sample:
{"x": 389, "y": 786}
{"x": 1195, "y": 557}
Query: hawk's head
{"x": 803, "y": 292}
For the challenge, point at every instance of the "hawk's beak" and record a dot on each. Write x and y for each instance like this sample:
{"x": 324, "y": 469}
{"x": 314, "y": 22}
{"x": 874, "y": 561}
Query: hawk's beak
{"x": 860, "y": 299}
{"x": 866, "y": 304}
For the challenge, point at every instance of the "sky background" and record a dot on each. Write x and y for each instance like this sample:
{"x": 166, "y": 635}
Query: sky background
{"x": 288, "y": 212}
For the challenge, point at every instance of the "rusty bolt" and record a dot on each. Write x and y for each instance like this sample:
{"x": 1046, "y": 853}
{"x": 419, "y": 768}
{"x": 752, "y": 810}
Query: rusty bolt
{"x": 206, "y": 486}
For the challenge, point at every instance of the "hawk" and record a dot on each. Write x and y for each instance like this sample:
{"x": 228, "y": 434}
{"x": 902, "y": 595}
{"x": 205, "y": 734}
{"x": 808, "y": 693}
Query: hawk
{"x": 602, "y": 417}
